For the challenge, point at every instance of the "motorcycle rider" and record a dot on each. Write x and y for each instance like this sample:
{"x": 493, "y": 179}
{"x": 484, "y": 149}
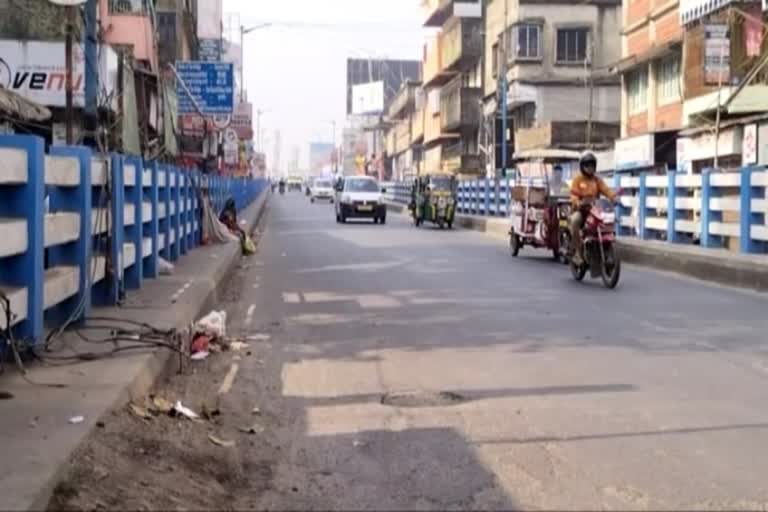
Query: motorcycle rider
{"x": 585, "y": 189}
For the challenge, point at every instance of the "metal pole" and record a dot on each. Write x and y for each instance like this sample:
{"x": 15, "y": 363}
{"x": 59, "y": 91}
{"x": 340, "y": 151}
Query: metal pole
{"x": 504, "y": 127}
{"x": 91, "y": 65}
{"x": 242, "y": 64}
{"x": 719, "y": 93}
{"x": 70, "y": 114}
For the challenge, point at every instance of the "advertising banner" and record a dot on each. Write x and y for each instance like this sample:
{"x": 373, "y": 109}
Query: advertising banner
{"x": 36, "y": 70}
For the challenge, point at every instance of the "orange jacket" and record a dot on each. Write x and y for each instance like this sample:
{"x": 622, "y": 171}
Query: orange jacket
{"x": 584, "y": 187}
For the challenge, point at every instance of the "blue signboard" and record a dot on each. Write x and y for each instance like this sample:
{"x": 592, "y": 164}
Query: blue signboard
{"x": 211, "y": 84}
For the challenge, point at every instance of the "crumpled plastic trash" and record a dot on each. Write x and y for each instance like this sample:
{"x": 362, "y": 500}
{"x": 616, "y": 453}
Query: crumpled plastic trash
{"x": 220, "y": 442}
{"x": 185, "y": 411}
{"x": 199, "y": 356}
{"x": 201, "y": 343}
{"x": 165, "y": 267}
{"x": 76, "y": 420}
{"x": 213, "y": 324}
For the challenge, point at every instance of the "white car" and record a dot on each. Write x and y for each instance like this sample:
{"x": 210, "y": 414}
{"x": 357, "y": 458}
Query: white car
{"x": 322, "y": 188}
{"x": 360, "y": 197}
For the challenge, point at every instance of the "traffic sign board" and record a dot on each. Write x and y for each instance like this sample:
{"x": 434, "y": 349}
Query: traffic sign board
{"x": 211, "y": 84}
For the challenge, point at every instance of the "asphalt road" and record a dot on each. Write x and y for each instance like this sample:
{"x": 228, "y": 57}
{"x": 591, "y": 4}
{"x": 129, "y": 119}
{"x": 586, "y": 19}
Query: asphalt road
{"x": 556, "y": 395}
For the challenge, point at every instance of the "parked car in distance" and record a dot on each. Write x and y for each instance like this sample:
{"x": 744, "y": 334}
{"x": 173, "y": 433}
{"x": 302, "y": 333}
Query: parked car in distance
{"x": 322, "y": 188}
{"x": 360, "y": 197}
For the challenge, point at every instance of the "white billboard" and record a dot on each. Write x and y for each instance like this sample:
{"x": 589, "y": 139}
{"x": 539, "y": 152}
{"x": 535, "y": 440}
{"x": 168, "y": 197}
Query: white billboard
{"x": 36, "y": 70}
{"x": 368, "y": 98}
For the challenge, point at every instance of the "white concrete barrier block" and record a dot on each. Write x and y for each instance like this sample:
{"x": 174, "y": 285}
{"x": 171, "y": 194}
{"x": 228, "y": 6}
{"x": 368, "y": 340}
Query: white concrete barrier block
{"x": 161, "y": 241}
{"x": 146, "y": 179}
{"x": 725, "y": 179}
{"x": 129, "y": 175}
{"x": 19, "y": 300}
{"x": 61, "y": 228}
{"x": 760, "y": 233}
{"x": 687, "y": 203}
{"x": 161, "y": 179}
{"x": 173, "y": 179}
{"x": 688, "y": 226}
{"x": 629, "y": 182}
{"x": 760, "y": 179}
{"x": 98, "y": 268}
{"x": 656, "y": 182}
{"x": 724, "y": 229}
{"x": 129, "y": 214}
{"x": 146, "y": 247}
{"x": 13, "y": 237}
{"x": 14, "y": 168}
{"x": 172, "y": 207}
{"x": 656, "y": 202}
{"x": 688, "y": 180}
{"x": 146, "y": 212}
{"x": 658, "y": 223}
{"x": 61, "y": 283}
{"x": 129, "y": 255}
{"x": 62, "y": 171}
{"x": 101, "y": 221}
{"x": 160, "y": 210}
{"x": 99, "y": 171}
{"x": 727, "y": 204}
{"x": 760, "y": 206}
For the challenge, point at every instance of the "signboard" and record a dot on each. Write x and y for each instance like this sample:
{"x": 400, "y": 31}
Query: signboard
{"x": 211, "y": 84}
{"x": 762, "y": 144}
{"x": 231, "y": 147}
{"x": 717, "y": 54}
{"x": 683, "y": 163}
{"x": 749, "y": 145}
{"x": 209, "y": 50}
{"x": 635, "y": 152}
{"x": 368, "y": 98}
{"x": 242, "y": 121}
{"x": 36, "y": 70}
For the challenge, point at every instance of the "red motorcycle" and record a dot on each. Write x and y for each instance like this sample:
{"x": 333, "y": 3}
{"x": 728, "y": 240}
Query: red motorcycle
{"x": 598, "y": 238}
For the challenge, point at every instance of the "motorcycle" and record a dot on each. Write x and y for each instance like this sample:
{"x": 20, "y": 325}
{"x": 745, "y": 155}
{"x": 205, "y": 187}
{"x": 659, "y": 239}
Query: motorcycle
{"x": 598, "y": 240}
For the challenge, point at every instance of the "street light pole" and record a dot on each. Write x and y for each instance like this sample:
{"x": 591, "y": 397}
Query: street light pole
{"x": 244, "y": 31}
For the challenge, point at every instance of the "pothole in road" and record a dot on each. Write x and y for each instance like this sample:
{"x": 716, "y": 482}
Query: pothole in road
{"x": 422, "y": 399}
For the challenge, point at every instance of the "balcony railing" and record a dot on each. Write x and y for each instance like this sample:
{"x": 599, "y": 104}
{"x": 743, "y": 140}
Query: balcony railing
{"x": 417, "y": 126}
{"x": 462, "y": 43}
{"x": 138, "y": 7}
{"x": 437, "y": 12}
{"x": 434, "y": 72}
{"x": 457, "y": 158}
{"x": 459, "y": 106}
{"x": 402, "y": 136}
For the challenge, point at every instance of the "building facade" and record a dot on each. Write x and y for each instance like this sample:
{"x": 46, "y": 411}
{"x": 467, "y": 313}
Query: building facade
{"x": 556, "y": 58}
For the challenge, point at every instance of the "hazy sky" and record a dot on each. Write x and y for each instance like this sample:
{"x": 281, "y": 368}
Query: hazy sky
{"x": 296, "y": 68}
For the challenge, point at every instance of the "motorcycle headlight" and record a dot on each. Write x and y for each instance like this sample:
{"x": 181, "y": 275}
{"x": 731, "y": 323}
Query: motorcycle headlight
{"x": 609, "y": 218}
{"x": 441, "y": 202}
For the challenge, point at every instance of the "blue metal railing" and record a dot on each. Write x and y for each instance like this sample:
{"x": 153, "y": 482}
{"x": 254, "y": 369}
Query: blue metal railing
{"x": 713, "y": 209}
{"x": 77, "y": 230}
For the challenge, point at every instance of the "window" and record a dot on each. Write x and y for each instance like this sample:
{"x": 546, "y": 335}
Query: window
{"x": 361, "y": 185}
{"x": 668, "y": 79}
{"x": 528, "y": 41}
{"x": 572, "y": 45}
{"x": 637, "y": 91}
{"x": 495, "y": 60}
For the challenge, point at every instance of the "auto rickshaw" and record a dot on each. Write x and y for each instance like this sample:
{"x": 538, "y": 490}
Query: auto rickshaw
{"x": 540, "y": 203}
{"x": 433, "y": 199}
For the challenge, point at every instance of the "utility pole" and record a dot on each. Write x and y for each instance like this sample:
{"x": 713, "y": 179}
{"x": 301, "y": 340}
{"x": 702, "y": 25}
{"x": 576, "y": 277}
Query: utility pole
{"x": 70, "y": 12}
{"x": 716, "y": 163}
{"x": 91, "y": 35}
{"x": 503, "y": 92}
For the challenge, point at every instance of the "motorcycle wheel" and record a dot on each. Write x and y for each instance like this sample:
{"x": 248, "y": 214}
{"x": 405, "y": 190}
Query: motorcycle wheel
{"x": 514, "y": 244}
{"x": 441, "y": 224}
{"x": 578, "y": 272}
{"x": 611, "y": 273}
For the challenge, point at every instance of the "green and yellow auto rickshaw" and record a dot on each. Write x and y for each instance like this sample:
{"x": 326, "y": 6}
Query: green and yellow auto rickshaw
{"x": 433, "y": 199}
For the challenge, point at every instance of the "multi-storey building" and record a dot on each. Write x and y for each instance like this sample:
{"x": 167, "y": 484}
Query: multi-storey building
{"x": 452, "y": 84}
{"x": 556, "y": 57}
